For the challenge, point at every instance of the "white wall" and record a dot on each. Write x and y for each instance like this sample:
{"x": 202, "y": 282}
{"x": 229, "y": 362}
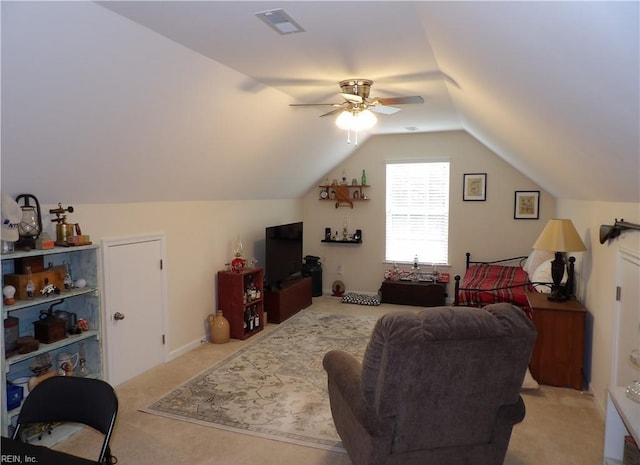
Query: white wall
{"x": 199, "y": 241}
{"x": 486, "y": 229}
{"x": 598, "y": 268}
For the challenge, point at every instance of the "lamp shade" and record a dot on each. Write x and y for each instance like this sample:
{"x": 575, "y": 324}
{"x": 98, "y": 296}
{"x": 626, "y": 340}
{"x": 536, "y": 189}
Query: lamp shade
{"x": 559, "y": 235}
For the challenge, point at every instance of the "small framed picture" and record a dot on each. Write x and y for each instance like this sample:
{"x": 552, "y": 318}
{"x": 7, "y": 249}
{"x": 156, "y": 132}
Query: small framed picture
{"x": 527, "y": 205}
{"x": 475, "y": 187}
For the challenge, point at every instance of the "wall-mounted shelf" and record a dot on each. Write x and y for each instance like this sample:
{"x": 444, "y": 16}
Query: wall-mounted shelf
{"x": 342, "y": 241}
{"x": 343, "y": 194}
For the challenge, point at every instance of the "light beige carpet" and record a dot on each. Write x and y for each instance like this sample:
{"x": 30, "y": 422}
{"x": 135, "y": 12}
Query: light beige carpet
{"x": 275, "y": 387}
{"x": 562, "y": 426}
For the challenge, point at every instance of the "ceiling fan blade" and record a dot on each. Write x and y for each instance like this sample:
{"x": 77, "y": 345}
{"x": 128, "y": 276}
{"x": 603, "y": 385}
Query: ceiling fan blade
{"x": 352, "y": 98}
{"x": 400, "y": 100}
{"x": 333, "y": 112}
{"x": 384, "y": 109}
{"x": 314, "y": 104}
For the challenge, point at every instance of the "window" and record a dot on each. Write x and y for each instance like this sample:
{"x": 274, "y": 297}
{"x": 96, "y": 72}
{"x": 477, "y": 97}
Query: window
{"x": 417, "y": 212}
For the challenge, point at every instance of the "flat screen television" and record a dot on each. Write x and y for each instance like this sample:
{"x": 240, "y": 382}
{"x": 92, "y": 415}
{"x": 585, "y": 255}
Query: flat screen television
{"x": 283, "y": 254}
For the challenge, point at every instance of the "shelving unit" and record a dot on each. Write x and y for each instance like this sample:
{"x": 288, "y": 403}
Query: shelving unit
{"x": 84, "y": 302}
{"x": 341, "y": 241}
{"x": 623, "y": 418}
{"x": 343, "y": 194}
{"x": 243, "y": 308}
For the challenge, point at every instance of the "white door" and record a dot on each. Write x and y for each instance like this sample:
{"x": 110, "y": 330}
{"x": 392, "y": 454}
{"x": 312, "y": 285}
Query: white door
{"x": 135, "y": 306}
{"x": 627, "y": 321}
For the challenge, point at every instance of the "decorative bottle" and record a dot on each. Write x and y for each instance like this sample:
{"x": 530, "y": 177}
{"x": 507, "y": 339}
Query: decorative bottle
{"x": 30, "y": 287}
{"x": 364, "y": 178}
{"x": 83, "y": 370}
{"x": 68, "y": 281}
{"x": 219, "y": 328}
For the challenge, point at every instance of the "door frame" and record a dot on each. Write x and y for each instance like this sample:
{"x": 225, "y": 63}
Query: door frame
{"x": 106, "y": 315}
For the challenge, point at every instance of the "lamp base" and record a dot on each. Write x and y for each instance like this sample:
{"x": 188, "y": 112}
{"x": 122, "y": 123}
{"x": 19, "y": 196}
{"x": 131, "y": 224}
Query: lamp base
{"x": 558, "y": 294}
{"x": 26, "y": 243}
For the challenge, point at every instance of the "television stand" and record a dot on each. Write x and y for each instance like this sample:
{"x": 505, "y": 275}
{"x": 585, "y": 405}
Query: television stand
{"x": 281, "y": 304}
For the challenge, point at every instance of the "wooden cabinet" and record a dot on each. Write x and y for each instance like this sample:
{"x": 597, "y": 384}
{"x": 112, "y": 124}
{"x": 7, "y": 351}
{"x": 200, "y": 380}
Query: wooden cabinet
{"x": 343, "y": 194}
{"x": 286, "y": 302}
{"x": 558, "y": 354}
{"x": 417, "y": 293}
{"x": 80, "y": 302}
{"x": 241, "y": 299}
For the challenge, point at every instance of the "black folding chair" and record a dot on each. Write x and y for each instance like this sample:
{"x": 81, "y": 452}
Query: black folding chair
{"x": 92, "y": 402}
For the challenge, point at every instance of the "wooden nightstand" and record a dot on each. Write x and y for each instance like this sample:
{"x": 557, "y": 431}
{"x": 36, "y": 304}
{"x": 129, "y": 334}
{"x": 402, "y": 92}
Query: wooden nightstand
{"x": 558, "y": 354}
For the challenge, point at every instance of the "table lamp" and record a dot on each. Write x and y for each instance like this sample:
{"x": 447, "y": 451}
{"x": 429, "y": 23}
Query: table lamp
{"x": 559, "y": 236}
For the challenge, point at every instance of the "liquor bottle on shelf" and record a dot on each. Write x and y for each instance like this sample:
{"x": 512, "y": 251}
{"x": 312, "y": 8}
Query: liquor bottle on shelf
{"x": 250, "y": 318}
{"x": 256, "y": 318}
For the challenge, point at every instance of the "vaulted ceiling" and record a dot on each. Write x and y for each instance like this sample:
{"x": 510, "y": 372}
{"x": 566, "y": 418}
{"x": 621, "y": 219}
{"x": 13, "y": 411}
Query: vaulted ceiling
{"x": 178, "y": 100}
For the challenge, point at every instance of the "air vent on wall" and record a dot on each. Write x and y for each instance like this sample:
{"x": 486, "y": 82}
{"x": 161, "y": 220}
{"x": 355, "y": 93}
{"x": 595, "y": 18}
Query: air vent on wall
{"x": 279, "y": 21}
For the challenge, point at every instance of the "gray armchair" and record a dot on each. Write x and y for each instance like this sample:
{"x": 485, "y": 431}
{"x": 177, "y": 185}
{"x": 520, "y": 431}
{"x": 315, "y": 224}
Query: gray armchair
{"x": 438, "y": 387}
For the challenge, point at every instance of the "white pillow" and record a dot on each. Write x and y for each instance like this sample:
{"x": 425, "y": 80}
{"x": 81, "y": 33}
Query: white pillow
{"x": 543, "y": 275}
{"x": 535, "y": 258}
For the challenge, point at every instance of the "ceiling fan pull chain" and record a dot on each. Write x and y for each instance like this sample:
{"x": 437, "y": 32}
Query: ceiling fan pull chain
{"x": 348, "y": 136}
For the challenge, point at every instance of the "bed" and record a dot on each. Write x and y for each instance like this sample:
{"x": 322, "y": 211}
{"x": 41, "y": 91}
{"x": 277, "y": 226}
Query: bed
{"x": 504, "y": 280}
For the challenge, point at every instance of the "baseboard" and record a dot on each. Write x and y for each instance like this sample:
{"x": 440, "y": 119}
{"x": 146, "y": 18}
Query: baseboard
{"x": 186, "y": 348}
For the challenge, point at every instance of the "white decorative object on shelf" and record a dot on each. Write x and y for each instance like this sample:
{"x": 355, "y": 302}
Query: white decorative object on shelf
{"x": 633, "y": 391}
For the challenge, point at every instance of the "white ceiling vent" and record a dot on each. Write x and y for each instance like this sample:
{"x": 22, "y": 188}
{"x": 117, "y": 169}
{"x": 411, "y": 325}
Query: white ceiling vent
{"x": 279, "y": 21}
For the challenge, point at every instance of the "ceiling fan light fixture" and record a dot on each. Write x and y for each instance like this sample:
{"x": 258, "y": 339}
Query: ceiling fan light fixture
{"x": 356, "y": 120}
{"x": 364, "y": 120}
{"x": 344, "y": 120}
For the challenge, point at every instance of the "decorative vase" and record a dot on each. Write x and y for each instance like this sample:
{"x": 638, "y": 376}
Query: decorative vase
{"x": 220, "y": 329}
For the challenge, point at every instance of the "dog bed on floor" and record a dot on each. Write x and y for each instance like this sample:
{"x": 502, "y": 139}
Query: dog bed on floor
{"x": 360, "y": 299}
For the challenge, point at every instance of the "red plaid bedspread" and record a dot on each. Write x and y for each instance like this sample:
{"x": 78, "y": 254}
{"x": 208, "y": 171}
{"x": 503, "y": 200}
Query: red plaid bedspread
{"x": 486, "y": 284}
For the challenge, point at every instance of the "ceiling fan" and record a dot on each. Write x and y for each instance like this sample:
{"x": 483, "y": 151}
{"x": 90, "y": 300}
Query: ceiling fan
{"x": 355, "y": 93}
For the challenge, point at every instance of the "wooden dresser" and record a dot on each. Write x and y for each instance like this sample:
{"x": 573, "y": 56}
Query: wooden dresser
{"x": 558, "y": 354}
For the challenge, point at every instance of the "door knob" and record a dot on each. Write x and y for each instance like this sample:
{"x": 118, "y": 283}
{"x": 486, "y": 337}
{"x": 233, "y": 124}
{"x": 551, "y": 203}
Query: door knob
{"x": 118, "y": 316}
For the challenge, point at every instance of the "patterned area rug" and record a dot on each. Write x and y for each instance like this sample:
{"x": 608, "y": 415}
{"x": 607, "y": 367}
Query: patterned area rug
{"x": 276, "y": 386}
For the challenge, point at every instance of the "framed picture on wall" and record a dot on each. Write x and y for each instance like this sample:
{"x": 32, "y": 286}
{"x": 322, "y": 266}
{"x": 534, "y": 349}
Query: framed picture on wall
{"x": 527, "y": 205}
{"x": 475, "y": 187}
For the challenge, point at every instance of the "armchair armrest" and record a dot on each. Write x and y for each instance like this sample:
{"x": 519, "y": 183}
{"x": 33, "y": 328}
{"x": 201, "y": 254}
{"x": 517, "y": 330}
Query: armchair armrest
{"x": 344, "y": 373}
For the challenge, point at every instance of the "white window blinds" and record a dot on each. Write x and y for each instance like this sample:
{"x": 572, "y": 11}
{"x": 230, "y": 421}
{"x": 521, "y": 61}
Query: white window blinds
{"x": 417, "y": 212}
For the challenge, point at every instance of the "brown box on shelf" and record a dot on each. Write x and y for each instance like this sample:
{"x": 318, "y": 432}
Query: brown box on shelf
{"x": 50, "y": 329}
{"x": 53, "y": 276}
{"x": 36, "y": 263}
